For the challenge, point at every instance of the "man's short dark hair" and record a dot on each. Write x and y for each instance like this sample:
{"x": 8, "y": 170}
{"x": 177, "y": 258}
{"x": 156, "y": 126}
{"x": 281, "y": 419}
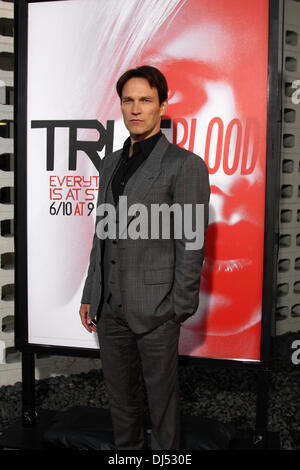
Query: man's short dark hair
{"x": 154, "y": 77}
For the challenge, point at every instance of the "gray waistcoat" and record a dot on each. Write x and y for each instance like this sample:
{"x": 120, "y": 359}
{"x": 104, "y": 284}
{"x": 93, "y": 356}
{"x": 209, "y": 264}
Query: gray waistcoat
{"x": 110, "y": 259}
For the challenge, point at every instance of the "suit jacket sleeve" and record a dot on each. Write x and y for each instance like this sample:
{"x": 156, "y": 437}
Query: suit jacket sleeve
{"x": 191, "y": 187}
{"x": 87, "y": 289}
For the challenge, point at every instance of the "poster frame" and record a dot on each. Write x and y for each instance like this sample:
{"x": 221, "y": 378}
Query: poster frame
{"x": 272, "y": 198}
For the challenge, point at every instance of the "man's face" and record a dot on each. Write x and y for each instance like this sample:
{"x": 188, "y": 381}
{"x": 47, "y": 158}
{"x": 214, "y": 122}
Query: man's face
{"x": 141, "y": 109}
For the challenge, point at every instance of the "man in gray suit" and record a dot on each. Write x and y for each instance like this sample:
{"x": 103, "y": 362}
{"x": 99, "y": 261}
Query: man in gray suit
{"x": 139, "y": 289}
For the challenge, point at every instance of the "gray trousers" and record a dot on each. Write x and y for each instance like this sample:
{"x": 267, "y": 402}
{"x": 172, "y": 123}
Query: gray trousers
{"x": 126, "y": 359}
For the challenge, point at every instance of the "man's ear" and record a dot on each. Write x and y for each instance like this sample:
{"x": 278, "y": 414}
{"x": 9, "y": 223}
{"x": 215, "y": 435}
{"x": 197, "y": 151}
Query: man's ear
{"x": 163, "y": 107}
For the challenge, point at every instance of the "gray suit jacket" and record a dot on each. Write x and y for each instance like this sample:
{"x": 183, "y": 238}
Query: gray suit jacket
{"x": 159, "y": 279}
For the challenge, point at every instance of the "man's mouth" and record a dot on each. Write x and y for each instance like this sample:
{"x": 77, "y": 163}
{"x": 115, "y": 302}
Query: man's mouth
{"x": 228, "y": 266}
{"x": 231, "y": 248}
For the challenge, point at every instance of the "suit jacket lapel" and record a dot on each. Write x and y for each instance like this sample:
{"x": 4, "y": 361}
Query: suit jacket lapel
{"x": 106, "y": 175}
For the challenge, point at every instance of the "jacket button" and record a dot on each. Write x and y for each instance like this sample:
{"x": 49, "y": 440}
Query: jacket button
{"x": 113, "y": 261}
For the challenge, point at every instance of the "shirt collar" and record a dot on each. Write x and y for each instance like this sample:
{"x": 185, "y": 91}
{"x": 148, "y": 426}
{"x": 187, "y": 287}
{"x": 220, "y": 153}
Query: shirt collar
{"x": 144, "y": 146}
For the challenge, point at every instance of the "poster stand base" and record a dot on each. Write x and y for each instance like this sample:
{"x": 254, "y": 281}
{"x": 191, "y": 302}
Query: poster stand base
{"x": 250, "y": 441}
{"x": 21, "y": 437}
{"x": 39, "y": 429}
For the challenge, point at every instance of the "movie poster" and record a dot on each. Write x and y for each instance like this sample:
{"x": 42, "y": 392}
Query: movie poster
{"x": 214, "y": 55}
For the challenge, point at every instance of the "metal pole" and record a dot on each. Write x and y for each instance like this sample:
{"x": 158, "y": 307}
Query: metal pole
{"x": 28, "y": 390}
{"x": 262, "y": 398}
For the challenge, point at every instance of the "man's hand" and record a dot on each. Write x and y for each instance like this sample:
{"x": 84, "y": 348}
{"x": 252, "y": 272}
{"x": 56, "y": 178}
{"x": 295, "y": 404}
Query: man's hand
{"x": 84, "y": 313}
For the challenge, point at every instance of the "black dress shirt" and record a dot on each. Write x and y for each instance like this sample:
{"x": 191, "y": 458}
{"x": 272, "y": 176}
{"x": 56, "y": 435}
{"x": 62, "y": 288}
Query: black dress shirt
{"x": 128, "y": 165}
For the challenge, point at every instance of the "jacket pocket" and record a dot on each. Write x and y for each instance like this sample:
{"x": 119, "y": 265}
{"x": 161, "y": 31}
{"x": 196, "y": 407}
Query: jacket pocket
{"x": 158, "y": 276}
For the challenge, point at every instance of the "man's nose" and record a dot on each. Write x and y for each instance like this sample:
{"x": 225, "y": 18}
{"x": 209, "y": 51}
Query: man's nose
{"x": 136, "y": 108}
